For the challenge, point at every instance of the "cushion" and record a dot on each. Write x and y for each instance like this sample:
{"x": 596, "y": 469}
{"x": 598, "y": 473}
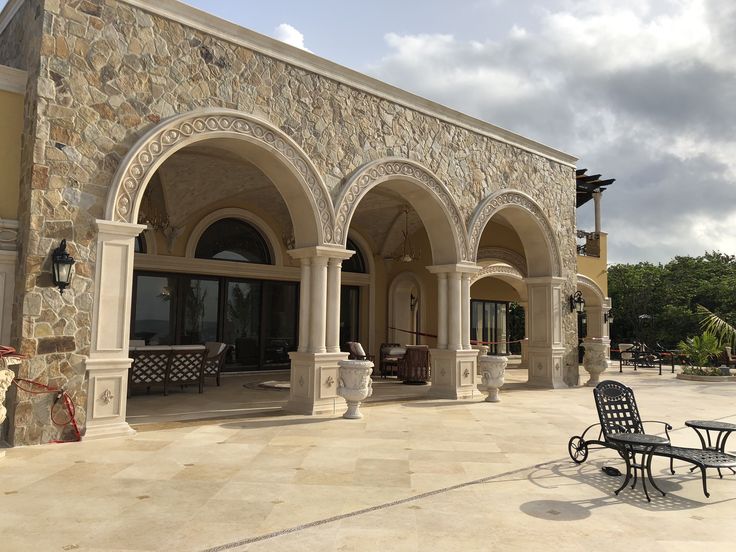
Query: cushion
{"x": 357, "y": 349}
{"x": 396, "y": 351}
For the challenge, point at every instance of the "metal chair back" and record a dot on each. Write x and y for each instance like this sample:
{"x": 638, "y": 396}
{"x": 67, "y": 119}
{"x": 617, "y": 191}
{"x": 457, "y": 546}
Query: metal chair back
{"x": 617, "y": 410}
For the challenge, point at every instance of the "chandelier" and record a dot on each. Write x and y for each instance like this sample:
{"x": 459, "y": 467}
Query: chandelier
{"x": 153, "y": 213}
{"x": 408, "y": 253}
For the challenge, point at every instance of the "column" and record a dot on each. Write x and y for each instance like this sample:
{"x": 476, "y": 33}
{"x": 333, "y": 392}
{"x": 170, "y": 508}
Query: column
{"x": 318, "y": 305}
{"x": 597, "y": 203}
{"x": 108, "y": 362}
{"x": 525, "y": 341}
{"x": 305, "y": 288}
{"x": 454, "y": 323}
{"x": 465, "y": 310}
{"x": 334, "y": 278}
{"x": 442, "y": 310}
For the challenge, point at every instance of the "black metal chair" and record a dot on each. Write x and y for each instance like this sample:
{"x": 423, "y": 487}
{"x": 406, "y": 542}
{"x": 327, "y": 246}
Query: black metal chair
{"x": 618, "y": 413}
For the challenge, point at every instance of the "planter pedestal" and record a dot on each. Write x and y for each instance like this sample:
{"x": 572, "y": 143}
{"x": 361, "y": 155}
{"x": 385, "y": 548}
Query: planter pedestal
{"x": 492, "y": 372}
{"x": 354, "y": 385}
{"x": 594, "y": 360}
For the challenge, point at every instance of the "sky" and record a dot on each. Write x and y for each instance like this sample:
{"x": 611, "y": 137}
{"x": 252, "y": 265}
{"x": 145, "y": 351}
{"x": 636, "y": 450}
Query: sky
{"x": 643, "y": 91}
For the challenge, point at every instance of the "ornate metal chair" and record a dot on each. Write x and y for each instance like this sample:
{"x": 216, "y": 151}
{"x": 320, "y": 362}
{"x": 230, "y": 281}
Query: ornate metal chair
{"x": 618, "y": 413}
{"x": 414, "y": 366}
{"x": 216, "y": 353}
{"x": 150, "y": 366}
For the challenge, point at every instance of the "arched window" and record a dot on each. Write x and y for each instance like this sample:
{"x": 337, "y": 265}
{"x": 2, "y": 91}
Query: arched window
{"x": 356, "y": 263}
{"x": 232, "y": 239}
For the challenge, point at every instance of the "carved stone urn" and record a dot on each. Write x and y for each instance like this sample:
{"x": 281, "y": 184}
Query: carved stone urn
{"x": 492, "y": 372}
{"x": 594, "y": 360}
{"x": 6, "y": 378}
{"x": 354, "y": 385}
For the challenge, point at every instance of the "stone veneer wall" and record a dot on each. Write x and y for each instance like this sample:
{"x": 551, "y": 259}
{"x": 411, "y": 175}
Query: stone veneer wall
{"x": 109, "y": 72}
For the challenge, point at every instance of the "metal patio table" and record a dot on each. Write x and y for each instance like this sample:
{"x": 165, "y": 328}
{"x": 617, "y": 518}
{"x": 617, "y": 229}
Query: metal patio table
{"x": 643, "y": 444}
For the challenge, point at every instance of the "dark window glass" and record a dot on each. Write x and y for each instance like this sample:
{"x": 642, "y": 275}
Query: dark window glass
{"x": 155, "y": 309}
{"x": 233, "y": 240}
{"x": 356, "y": 263}
{"x": 349, "y": 315}
{"x": 140, "y": 244}
{"x": 200, "y": 301}
{"x": 489, "y": 325}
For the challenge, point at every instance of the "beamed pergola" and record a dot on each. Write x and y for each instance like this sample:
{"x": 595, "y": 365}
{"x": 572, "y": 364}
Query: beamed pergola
{"x": 587, "y": 185}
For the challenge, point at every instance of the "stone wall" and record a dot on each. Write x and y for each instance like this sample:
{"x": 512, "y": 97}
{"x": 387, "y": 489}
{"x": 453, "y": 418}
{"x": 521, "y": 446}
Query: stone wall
{"x": 108, "y": 72}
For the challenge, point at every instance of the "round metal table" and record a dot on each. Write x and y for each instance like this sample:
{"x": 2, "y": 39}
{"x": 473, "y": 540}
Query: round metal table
{"x": 631, "y": 444}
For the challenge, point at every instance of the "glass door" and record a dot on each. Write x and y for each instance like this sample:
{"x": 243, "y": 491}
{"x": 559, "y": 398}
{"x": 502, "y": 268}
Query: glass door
{"x": 349, "y": 315}
{"x": 200, "y": 300}
{"x": 279, "y": 323}
{"x": 154, "y": 309}
{"x": 242, "y": 323}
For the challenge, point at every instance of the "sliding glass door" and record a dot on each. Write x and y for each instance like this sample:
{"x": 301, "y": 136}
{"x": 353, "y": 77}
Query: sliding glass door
{"x": 488, "y": 325}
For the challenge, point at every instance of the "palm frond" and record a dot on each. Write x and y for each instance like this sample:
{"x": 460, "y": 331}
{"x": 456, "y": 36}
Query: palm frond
{"x": 714, "y": 324}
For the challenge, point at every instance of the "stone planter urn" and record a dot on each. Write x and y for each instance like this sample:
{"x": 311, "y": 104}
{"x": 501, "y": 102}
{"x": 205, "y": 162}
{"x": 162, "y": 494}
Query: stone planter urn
{"x": 354, "y": 385}
{"x": 6, "y": 378}
{"x": 492, "y": 371}
{"x": 594, "y": 360}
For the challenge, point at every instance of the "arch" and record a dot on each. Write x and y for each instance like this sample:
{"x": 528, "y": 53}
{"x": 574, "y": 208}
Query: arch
{"x": 420, "y": 187}
{"x": 592, "y": 291}
{"x": 530, "y": 222}
{"x": 241, "y": 214}
{"x": 294, "y": 175}
{"x": 505, "y": 272}
{"x": 401, "y": 283}
{"x": 508, "y": 256}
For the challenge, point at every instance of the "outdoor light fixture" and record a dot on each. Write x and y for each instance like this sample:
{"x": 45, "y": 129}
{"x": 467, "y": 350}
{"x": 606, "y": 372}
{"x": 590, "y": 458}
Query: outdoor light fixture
{"x": 62, "y": 264}
{"x": 577, "y": 303}
{"x": 607, "y": 318}
{"x": 412, "y": 302}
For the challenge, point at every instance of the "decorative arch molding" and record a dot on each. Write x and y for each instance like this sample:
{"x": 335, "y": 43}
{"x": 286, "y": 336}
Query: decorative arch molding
{"x": 374, "y": 173}
{"x": 594, "y": 289}
{"x": 509, "y": 198}
{"x": 509, "y": 256}
{"x": 241, "y": 214}
{"x": 497, "y": 270}
{"x": 179, "y": 131}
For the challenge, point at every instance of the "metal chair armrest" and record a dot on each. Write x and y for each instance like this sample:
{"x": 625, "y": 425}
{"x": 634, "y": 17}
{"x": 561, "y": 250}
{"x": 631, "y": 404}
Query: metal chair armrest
{"x": 667, "y": 426}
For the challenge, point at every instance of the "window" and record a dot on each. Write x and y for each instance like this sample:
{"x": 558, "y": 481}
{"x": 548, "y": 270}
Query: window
{"x": 356, "y": 263}
{"x": 232, "y": 239}
{"x": 488, "y": 325}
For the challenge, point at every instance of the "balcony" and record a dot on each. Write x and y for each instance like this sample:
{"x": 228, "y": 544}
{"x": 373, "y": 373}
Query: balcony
{"x": 591, "y": 246}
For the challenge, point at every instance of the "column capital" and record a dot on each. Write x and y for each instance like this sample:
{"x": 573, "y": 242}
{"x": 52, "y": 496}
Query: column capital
{"x": 119, "y": 229}
{"x": 321, "y": 251}
{"x": 459, "y": 268}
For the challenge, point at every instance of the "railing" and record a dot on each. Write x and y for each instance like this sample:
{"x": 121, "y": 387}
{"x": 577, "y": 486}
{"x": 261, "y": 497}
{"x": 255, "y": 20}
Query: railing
{"x": 592, "y": 245}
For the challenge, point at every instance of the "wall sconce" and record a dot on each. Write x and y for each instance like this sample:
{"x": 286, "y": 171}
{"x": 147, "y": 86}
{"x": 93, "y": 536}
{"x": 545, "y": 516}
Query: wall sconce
{"x": 577, "y": 303}
{"x": 61, "y": 263}
{"x": 412, "y": 302}
{"x": 607, "y": 318}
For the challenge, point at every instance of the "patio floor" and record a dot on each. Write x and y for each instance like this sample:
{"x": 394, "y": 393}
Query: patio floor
{"x": 412, "y": 475}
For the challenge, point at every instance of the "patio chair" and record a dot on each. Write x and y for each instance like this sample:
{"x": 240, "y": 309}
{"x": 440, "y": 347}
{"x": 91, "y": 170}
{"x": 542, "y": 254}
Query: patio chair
{"x": 186, "y": 366}
{"x": 213, "y": 363}
{"x": 414, "y": 366}
{"x": 150, "y": 366}
{"x": 618, "y": 413}
{"x": 389, "y": 356}
{"x": 728, "y": 358}
{"x": 357, "y": 352}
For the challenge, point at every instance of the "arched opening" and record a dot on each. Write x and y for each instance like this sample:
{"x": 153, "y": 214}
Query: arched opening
{"x": 405, "y": 310}
{"x": 230, "y": 196}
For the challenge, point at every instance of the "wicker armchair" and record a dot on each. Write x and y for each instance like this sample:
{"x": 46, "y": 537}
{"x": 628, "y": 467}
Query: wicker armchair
{"x": 414, "y": 367}
{"x": 216, "y": 353}
{"x": 388, "y": 361}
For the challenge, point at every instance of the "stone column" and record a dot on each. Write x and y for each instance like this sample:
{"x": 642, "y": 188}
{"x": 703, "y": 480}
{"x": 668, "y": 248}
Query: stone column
{"x": 108, "y": 362}
{"x": 305, "y": 288}
{"x": 442, "y": 310}
{"x": 546, "y": 341}
{"x": 454, "y": 366}
{"x": 314, "y": 367}
{"x": 525, "y": 342}
{"x": 334, "y": 278}
{"x": 465, "y": 310}
{"x": 597, "y": 203}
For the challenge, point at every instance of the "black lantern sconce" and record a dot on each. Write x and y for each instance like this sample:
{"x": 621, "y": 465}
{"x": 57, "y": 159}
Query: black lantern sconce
{"x": 577, "y": 303}
{"x": 412, "y": 302}
{"x": 607, "y": 318}
{"x": 61, "y": 270}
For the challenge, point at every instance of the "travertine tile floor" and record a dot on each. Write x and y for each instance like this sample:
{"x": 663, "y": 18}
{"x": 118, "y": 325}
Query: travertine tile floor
{"x": 419, "y": 475}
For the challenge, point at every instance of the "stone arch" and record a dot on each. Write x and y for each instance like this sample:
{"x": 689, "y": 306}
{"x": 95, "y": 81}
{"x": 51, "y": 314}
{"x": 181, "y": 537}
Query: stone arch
{"x": 532, "y": 225}
{"x": 293, "y": 174}
{"x": 508, "y": 256}
{"x": 427, "y": 194}
{"x": 591, "y": 290}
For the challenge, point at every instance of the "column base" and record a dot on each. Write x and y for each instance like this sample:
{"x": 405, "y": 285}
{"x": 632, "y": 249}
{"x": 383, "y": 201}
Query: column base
{"x": 546, "y": 367}
{"x": 314, "y": 384}
{"x": 454, "y": 374}
{"x": 107, "y": 396}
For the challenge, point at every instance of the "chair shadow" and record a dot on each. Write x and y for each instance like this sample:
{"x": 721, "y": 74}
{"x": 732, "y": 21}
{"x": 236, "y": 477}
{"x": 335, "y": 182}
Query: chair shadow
{"x": 560, "y": 473}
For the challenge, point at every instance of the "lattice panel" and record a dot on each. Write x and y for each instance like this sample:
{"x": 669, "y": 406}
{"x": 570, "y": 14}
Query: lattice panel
{"x": 149, "y": 367}
{"x": 212, "y": 366}
{"x": 617, "y": 408}
{"x": 186, "y": 366}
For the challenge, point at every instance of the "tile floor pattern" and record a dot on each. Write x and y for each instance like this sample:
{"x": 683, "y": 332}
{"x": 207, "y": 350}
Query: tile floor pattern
{"x": 419, "y": 475}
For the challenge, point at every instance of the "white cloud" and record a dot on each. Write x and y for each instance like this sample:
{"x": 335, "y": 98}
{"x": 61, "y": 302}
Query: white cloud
{"x": 642, "y": 91}
{"x": 290, "y": 35}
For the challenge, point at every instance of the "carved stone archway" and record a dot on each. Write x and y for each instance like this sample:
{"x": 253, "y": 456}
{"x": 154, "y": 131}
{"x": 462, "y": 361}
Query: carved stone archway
{"x": 509, "y": 199}
{"x": 183, "y": 130}
{"x": 508, "y": 256}
{"x": 434, "y": 203}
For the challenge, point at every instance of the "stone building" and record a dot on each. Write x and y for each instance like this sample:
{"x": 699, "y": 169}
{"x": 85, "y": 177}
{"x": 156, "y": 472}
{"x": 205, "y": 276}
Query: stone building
{"x": 213, "y": 183}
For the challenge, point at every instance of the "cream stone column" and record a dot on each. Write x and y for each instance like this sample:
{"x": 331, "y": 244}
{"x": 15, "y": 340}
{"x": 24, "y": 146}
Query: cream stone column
{"x": 305, "y": 288}
{"x": 454, "y": 365}
{"x": 8, "y": 262}
{"x": 525, "y": 342}
{"x": 108, "y": 362}
{"x": 442, "y": 310}
{"x": 465, "y": 309}
{"x": 546, "y": 341}
{"x": 314, "y": 366}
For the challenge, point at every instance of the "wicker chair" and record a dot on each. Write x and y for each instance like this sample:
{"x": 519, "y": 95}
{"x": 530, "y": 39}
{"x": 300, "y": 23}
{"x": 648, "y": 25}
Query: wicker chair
{"x": 186, "y": 366}
{"x": 216, "y": 354}
{"x": 388, "y": 362}
{"x": 150, "y": 367}
{"x": 414, "y": 367}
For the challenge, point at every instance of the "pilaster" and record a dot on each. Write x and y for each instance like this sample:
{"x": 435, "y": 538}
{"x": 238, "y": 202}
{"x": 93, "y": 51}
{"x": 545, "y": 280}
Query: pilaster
{"x": 314, "y": 383}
